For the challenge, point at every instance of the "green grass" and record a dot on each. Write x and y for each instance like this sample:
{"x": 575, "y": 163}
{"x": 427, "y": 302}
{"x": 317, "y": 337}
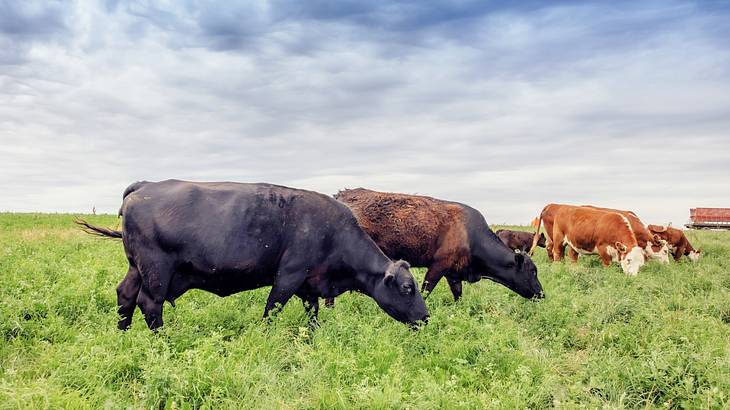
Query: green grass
{"x": 599, "y": 339}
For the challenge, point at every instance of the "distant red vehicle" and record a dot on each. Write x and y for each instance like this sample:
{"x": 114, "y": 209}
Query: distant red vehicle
{"x": 709, "y": 218}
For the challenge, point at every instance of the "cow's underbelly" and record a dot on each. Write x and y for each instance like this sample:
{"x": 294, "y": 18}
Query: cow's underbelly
{"x": 220, "y": 281}
{"x": 581, "y": 248}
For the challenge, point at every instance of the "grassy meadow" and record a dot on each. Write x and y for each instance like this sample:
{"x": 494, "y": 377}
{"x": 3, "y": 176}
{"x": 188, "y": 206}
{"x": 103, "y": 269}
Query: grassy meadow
{"x": 599, "y": 339}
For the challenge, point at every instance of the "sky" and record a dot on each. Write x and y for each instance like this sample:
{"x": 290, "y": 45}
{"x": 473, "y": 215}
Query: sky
{"x": 504, "y": 106}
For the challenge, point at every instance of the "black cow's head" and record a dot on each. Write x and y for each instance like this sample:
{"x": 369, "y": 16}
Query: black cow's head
{"x": 518, "y": 274}
{"x": 398, "y": 295}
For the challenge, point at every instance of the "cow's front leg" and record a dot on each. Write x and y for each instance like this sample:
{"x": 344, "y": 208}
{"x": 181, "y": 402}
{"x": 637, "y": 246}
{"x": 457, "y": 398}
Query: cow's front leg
{"x": 329, "y": 302}
{"x": 572, "y": 254}
{"x": 455, "y": 286}
{"x": 311, "y": 306}
{"x": 678, "y": 253}
{"x": 285, "y": 286}
{"x": 434, "y": 274}
{"x": 606, "y": 259}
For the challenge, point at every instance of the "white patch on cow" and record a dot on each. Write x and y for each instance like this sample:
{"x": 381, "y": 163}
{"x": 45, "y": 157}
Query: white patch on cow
{"x": 662, "y": 255}
{"x": 632, "y": 261}
{"x": 694, "y": 256}
{"x": 613, "y": 253}
{"x": 628, "y": 224}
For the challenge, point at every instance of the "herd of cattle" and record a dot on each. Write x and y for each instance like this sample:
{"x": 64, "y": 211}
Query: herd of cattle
{"x": 226, "y": 237}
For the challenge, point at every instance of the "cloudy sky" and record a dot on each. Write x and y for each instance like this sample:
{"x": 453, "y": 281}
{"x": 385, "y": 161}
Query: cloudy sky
{"x": 503, "y": 107}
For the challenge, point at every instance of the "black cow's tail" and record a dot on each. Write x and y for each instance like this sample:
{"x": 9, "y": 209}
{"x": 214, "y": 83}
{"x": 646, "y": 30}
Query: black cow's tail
{"x": 98, "y": 231}
{"x": 536, "y": 238}
{"x": 135, "y": 186}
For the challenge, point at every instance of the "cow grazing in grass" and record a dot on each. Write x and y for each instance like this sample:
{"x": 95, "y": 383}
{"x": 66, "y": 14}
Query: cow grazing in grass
{"x": 519, "y": 240}
{"x": 229, "y": 237}
{"x": 654, "y": 246}
{"x": 678, "y": 243}
{"x": 591, "y": 231}
{"x": 449, "y": 238}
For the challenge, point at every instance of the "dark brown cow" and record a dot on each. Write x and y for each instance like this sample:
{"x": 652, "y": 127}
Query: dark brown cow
{"x": 678, "y": 243}
{"x": 591, "y": 231}
{"x": 449, "y": 238}
{"x": 519, "y": 240}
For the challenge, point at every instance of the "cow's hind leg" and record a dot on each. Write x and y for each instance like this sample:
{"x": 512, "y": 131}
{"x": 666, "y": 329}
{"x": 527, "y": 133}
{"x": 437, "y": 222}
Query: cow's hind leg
{"x": 153, "y": 292}
{"x": 549, "y": 250}
{"x": 127, "y": 292}
{"x": 558, "y": 247}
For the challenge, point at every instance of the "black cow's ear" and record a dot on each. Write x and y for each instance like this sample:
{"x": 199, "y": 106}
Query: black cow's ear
{"x": 519, "y": 259}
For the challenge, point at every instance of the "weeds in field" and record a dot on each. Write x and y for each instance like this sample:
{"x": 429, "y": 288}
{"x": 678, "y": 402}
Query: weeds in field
{"x": 600, "y": 338}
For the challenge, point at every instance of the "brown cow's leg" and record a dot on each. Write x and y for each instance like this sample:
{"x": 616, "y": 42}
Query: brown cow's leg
{"x": 558, "y": 247}
{"x": 572, "y": 254}
{"x": 549, "y": 249}
{"x": 678, "y": 254}
{"x": 127, "y": 292}
{"x": 455, "y": 285}
{"x": 434, "y": 274}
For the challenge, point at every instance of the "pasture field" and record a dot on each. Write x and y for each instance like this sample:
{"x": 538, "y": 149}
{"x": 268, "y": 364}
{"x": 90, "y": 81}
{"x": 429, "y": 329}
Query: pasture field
{"x": 599, "y": 339}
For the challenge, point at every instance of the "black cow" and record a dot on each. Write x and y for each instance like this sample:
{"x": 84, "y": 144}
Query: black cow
{"x": 519, "y": 240}
{"x": 229, "y": 237}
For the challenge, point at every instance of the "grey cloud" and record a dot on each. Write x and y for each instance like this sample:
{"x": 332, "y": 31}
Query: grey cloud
{"x": 503, "y": 108}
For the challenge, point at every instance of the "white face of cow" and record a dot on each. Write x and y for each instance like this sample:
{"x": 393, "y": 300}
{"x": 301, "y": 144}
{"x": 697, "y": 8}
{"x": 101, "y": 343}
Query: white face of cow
{"x": 694, "y": 256}
{"x": 632, "y": 261}
{"x": 662, "y": 255}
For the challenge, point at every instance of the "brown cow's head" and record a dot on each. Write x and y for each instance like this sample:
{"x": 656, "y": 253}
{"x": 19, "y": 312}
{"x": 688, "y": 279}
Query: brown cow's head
{"x": 694, "y": 256}
{"x": 631, "y": 260}
{"x": 658, "y": 249}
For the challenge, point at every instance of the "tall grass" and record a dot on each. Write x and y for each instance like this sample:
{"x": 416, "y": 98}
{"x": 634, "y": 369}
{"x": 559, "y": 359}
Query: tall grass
{"x": 599, "y": 339}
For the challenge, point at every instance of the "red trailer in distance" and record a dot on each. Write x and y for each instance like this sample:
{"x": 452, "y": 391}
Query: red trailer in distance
{"x": 709, "y": 218}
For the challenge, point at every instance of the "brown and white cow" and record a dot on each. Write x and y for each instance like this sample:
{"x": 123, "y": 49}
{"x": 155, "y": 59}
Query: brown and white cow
{"x": 591, "y": 231}
{"x": 653, "y": 245}
{"x": 678, "y": 243}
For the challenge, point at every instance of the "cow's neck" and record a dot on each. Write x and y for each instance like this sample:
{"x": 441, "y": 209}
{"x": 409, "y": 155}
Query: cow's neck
{"x": 490, "y": 253}
{"x": 367, "y": 262}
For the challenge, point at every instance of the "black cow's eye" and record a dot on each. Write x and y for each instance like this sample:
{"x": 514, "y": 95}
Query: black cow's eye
{"x": 407, "y": 288}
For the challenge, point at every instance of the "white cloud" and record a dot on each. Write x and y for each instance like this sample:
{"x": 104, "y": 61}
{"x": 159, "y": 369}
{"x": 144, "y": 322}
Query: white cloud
{"x": 503, "y": 109}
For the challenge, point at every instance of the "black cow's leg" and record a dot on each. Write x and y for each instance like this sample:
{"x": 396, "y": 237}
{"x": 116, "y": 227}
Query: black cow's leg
{"x": 434, "y": 274}
{"x": 156, "y": 277}
{"x": 329, "y": 302}
{"x": 455, "y": 285}
{"x": 127, "y": 292}
{"x": 151, "y": 308}
{"x": 311, "y": 306}
{"x": 285, "y": 286}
